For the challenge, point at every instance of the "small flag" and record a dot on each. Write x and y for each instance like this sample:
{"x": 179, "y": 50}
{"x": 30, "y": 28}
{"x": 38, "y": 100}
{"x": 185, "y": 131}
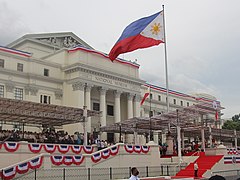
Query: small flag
{"x": 215, "y": 106}
{"x": 145, "y": 95}
{"x": 143, "y": 33}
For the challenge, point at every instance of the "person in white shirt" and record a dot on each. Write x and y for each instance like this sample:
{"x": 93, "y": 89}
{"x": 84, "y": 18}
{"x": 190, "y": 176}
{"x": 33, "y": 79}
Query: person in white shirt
{"x": 134, "y": 175}
{"x": 195, "y": 169}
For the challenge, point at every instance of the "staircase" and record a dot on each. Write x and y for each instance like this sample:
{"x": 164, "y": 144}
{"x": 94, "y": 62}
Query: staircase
{"x": 204, "y": 163}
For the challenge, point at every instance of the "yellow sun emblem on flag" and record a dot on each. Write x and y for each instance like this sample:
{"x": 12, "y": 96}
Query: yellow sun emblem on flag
{"x": 155, "y": 28}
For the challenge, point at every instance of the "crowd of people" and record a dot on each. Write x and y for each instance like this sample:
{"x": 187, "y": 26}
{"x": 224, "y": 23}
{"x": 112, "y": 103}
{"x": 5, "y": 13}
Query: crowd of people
{"x": 47, "y": 136}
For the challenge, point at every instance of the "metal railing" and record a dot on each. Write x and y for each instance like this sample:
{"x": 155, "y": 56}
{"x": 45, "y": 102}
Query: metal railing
{"x": 72, "y": 173}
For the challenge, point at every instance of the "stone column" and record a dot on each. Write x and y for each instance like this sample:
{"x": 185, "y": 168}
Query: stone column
{"x": 117, "y": 111}
{"x": 103, "y": 119}
{"x": 130, "y": 105}
{"x": 88, "y": 104}
{"x": 79, "y": 87}
{"x": 117, "y": 107}
{"x": 137, "y": 108}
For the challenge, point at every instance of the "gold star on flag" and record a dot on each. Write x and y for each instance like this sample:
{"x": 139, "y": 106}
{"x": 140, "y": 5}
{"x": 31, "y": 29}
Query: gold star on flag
{"x": 155, "y": 28}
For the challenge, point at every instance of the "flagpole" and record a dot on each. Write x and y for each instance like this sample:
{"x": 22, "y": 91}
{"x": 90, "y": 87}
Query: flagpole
{"x": 166, "y": 67}
{"x": 150, "y": 115}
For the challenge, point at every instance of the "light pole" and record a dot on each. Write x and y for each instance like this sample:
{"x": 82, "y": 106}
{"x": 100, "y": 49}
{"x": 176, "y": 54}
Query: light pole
{"x": 120, "y": 132}
{"x": 179, "y": 139}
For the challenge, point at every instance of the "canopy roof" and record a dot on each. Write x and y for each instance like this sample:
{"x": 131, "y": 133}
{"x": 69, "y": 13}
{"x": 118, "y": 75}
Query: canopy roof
{"x": 186, "y": 117}
{"x": 40, "y": 114}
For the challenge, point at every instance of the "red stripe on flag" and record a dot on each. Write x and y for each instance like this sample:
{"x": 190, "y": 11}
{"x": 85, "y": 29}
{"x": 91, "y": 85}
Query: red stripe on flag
{"x": 144, "y": 97}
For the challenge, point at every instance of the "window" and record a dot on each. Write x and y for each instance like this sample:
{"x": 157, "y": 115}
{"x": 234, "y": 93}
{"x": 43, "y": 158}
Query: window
{"x": 1, "y": 63}
{"x": 20, "y": 67}
{"x": 181, "y": 102}
{"x": 159, "y": 98}
{"x": 174, "y": 101}
{"x": 1, "y": 91}
{"x": 96, "y": 106}
{"x": 46, "y": 72}
{"x": 187, "y": 103}
{"x": 18, "y": 93}
{"x": 45, "y": 99}
{"x": 151, "y": 96}
{"x": 110, "y": 110}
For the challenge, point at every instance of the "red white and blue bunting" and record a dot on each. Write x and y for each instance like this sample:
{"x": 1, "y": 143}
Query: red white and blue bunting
{"x": 145, "y": 149}
{"x": 96, "y": 157}
{"x": 232, "y": 151}
{"x": 129, "y": 148}
{"x": 11, "y": 146}
{"x": 35, "y": 148}
{"x": 88, "y": 149}
{"x": 36, "y": 162}
{"x": 22, "y": 168}
{"x": 57, "y": 160}
{"x": 50, "y": 148}
{"x": 67, "y": 160}
{"x": 76, "y": 149}
{"x": 114, "y": 150}
{"x": 231, "y": 159}
{"x": 9, "y": 173}
{"x": 14, "y": 51}
{"x": 137, "y": 149}
{"x": 63, "y": 148}
{"x": 105, "y": 153}
{"x": 77, "y": 160}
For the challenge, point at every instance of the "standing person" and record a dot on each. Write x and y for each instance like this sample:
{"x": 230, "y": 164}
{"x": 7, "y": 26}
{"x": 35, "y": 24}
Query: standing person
{"x": 134, "y": 175}
{"x": 195, "y": 169}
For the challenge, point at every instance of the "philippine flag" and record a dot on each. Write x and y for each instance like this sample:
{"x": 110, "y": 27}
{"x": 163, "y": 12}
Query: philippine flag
{"x": 143, "y": 33}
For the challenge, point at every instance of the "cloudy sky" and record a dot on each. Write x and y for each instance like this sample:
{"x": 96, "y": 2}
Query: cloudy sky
{"x": 202, "y": 38}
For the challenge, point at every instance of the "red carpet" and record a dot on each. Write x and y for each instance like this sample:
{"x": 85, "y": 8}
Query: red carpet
{"x": 204, "y": 163}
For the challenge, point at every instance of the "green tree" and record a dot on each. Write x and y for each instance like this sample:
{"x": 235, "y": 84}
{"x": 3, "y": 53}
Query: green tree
{"x": 231, "y": 125}
{"x": 236, "y": 117}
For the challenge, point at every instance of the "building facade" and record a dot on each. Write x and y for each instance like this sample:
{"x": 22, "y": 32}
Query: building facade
{"x": 61, "y": 69}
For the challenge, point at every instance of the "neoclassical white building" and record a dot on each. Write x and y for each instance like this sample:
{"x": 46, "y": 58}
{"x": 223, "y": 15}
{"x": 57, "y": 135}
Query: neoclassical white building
{"x": 62, "y": 69}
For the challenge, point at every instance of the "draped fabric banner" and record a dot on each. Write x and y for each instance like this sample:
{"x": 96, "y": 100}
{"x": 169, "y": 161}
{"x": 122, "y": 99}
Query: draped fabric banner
{"x": 232, "y": 151}
{"x": 114, "y": 150}
{"x": 67, "y": 160}
{"x": 22, "y": 168}
{"x": 11, "y": 146}
{"x": 50, "y": 148}
{"x": 137, "y": 149}
{"x": 35, "y": 148}
{"x": 231, "y": 159}
{"x": 96, "y": 157}
{"x": 63, "y": 148}
{"x": 88, "y": 149}
{"x": 76, "y": 149}
{"x": 104, "y": 154}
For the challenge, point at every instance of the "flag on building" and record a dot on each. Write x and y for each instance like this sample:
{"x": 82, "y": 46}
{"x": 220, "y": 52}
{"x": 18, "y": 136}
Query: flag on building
{"x": 143, "y": 33}
{"x": 145, "y": 95}
{"x": 215, "y": 107}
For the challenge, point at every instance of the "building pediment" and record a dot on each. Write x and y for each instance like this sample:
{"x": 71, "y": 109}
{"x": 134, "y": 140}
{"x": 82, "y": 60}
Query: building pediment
{"x": 56, "y": 40}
